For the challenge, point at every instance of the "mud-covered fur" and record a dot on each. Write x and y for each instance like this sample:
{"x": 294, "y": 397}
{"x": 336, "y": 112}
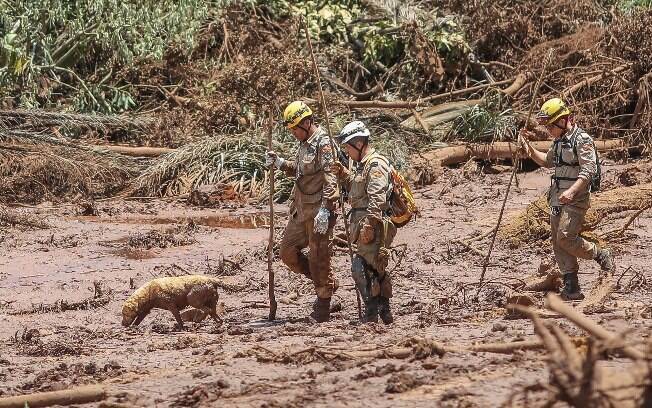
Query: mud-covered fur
{"x": 173, "y": 294}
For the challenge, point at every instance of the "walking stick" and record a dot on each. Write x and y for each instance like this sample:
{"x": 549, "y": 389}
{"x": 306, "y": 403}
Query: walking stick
{"x": 270, "y": 246}
{"x": 332, "y": 142}
{"x": 511, "y": 178}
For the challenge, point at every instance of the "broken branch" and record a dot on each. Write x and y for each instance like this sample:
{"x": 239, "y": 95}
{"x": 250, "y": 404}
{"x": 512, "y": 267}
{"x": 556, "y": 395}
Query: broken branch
{"x": 81, "y": 395}
{"x": 555, "y": 303}
{"x": 414, "y": 104}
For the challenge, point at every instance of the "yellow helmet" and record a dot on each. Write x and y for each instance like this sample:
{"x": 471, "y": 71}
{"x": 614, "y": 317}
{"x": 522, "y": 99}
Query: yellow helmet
{"x": 552, "y": 110}
{"x": 295, "y": 113}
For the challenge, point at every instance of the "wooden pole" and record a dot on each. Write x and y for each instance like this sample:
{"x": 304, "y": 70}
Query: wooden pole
{"x": 74, "y": 396}
{"x": 485, "y": 264}
{"x": 333, "y": 148}
{"x": 270, "y": 247}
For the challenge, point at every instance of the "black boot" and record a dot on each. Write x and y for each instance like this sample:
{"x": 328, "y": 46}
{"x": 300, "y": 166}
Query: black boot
{"x": 370, "y": 310}
{"x": 321, "y": 310}
{"x": 571, "y": 290}
{"x": 605, "y": 260}
{"x": 335, "y": 306}
{"x": 385, "y": 311}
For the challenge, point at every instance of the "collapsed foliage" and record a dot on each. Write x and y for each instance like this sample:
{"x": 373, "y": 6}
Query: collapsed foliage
{"x": 218, "y": 68}
{"x": 230, "y": 161}
{"x": 41, "y": 171}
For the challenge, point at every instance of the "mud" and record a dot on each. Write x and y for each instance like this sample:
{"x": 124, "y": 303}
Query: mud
{"x": 251, "y": 362}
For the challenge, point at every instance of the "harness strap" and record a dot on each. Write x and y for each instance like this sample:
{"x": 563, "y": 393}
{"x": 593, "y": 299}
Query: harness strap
{"x": 564, "y": 178}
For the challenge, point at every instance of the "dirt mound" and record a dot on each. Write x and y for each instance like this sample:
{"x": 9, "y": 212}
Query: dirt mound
{"x": 533, "y": 224}
{"x": 179, "y": 236}
{"x": 573, "y": 49}
{"x": 504, "y": 30}
{"x": 46, "y": 172}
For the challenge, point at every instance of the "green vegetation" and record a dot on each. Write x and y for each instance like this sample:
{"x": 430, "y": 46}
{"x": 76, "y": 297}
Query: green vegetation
{"x": 68, "y": 52}
{"x": 629, "y": 5}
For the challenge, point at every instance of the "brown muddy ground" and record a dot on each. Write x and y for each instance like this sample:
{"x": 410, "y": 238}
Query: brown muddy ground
{"x": 61, "y": 292}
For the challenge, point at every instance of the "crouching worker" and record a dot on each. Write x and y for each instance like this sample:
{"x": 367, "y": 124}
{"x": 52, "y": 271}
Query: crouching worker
{"x": 577, "y": 174}
{"x": 312, "y": 205}
{"x": 372, "y": 231}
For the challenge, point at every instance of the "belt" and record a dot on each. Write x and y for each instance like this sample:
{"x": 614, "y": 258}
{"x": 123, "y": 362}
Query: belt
{"x": 556, "y": 179}
{"x": 352, "y": 210}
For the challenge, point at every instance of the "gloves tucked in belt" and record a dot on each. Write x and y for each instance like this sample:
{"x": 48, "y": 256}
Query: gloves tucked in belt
{"x": 321, "y": 221}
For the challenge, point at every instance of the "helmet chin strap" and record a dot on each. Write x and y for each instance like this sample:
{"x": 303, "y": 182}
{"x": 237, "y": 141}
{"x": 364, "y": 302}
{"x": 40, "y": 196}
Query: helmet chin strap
{"x": 307, "y": 130}
{"x": 562, "y": 127}
{"x": 359, "y": 150}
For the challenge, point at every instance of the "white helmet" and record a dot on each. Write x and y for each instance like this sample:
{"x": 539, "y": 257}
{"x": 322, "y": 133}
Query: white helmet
{"x": 353, "y": 130}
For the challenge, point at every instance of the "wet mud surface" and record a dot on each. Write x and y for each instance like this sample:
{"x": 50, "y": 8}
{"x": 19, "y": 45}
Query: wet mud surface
{"x": 62, "y": 289}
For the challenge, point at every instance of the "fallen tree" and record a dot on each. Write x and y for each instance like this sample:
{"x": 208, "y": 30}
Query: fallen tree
{"x": 424, "y": 165}
{"x": 140, "y": 151}
{"x": 516, "y": 83}
{"x": 448, "y": 156}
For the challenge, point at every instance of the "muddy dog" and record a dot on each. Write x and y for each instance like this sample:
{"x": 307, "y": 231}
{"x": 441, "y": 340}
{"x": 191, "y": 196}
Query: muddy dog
{"x": 173, "y": 294}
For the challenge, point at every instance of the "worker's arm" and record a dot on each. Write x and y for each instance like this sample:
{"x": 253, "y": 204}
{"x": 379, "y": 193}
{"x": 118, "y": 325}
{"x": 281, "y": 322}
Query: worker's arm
{"x": 586, "y": 156}
{"x": 331, "y": 193}
{"x": 540, "y": 158}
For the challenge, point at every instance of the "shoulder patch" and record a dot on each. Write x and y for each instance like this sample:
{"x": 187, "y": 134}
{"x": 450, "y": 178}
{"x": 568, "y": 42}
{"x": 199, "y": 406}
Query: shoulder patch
{"x": 375, "y": 172}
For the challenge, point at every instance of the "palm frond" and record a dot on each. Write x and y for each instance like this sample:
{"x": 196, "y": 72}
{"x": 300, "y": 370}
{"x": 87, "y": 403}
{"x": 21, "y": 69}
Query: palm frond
{"x": 234, "y": 161}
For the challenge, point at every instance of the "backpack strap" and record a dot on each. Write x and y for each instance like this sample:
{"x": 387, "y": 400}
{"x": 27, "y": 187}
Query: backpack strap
{"x": 559, "y": 161}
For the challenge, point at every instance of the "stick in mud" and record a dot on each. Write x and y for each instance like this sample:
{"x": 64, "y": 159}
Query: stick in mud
{"x": 511, "y": 178}
{"x": 270, "y": 246}
{"x": 332, "y": 142}
{"x": 76, "y": 396}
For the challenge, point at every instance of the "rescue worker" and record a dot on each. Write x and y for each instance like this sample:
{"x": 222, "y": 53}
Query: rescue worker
{"x": 312, "y": 206}
{"x": 372, "y": 231}
{"x": 574, "y": 159}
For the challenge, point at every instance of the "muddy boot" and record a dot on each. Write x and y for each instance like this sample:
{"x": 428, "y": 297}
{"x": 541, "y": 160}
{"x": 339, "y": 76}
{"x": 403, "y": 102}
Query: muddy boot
{"x": 605, "y": 260}
{"x": 335, "y": 306}
{"x": 384, "y": 311}
{"x": 571, "y": 290}
{"x": 370, "y": 310}
{"x": 321, "y": 310}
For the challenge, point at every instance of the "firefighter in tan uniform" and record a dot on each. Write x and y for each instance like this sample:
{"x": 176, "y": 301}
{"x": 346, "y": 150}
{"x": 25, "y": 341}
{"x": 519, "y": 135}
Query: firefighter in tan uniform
{"x": 372, "y": 231}
{"x": 574, "y": 158}
{"x": 312, "y": 207}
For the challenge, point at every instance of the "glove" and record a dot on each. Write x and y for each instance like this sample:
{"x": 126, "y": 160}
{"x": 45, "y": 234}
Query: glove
{"x": 271, "y": 158}
{"x": 339, "y": 170}
{"x": 524, "y": 137}
{"x": 321, "y": 221}
{"x": 367, "y": 234}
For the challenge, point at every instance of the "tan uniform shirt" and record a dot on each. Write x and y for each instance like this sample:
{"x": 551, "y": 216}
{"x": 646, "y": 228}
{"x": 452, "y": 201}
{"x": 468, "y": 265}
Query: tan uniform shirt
{"x": 315, "y": 185}
{"x": 569, "y": 165}
{"x": 369, "y": 189}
